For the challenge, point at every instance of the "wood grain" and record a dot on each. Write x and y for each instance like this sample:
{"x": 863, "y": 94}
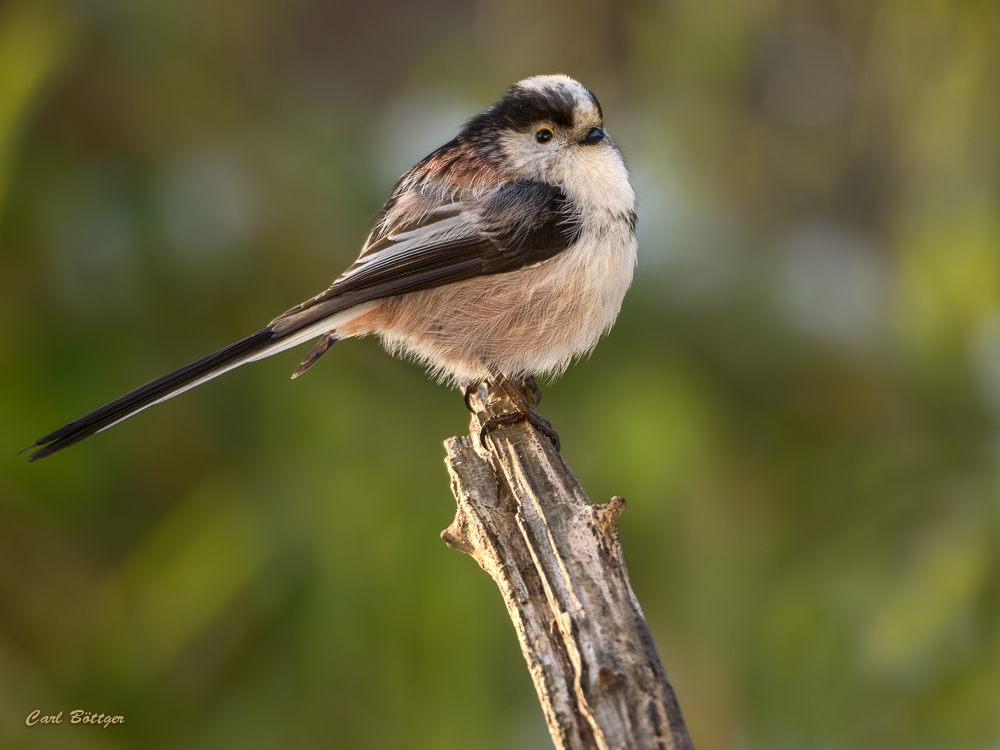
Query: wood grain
{"x": 558, "y": 562}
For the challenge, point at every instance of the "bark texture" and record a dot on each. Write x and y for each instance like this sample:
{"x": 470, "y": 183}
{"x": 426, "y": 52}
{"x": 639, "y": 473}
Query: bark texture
{"x": 558, "y": 562}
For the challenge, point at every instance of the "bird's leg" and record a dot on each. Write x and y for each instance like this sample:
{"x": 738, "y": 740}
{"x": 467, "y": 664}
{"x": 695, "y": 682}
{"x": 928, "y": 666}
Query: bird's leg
{"x": 529, "y": 389}
{"x": 523, "y": 411}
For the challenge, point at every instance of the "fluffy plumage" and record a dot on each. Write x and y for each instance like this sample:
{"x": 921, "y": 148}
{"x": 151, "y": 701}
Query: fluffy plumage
{"x": 507, "y": 250}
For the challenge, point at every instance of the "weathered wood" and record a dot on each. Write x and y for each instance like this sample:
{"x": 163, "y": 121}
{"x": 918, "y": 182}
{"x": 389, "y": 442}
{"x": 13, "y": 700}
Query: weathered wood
{"x": 558, "y": 561}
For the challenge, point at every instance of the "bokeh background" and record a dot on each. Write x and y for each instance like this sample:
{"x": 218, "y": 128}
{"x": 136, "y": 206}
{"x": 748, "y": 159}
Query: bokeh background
{"x": 801, "y": 399}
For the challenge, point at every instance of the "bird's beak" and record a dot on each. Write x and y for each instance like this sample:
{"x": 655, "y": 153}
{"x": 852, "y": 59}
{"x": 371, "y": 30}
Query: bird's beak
{"x": 596, "y": 135}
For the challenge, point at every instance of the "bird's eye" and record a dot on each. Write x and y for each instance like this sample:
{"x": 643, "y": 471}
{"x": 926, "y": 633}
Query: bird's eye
{"x": 543, "y": 134}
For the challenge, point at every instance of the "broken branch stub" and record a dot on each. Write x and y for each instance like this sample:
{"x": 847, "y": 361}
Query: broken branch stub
{"x": 558, "y": 562}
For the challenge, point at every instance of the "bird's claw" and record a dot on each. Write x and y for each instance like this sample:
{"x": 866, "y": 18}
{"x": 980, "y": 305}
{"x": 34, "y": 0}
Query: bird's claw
{"x": 532, "y": 393}
{"x": 467, "y": 394}
{"x": 531, "y": 416}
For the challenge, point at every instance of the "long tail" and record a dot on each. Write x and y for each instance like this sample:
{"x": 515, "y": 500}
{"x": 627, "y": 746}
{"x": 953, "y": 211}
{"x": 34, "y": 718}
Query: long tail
{"x": 255, "y": 346}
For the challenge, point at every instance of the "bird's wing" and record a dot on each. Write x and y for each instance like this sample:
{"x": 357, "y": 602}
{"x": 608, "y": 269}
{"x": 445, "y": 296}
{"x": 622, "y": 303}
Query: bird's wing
{"x": 517, "y": 224}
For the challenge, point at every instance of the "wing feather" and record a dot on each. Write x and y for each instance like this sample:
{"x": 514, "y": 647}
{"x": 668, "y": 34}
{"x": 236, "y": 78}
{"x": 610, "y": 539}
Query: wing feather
{"x": 516, "y": 225}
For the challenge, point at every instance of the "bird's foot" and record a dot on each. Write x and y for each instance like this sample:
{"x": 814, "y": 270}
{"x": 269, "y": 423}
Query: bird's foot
{"x": 529, "y": 391}
{"x": 524, "y": 401}
{"x": 532, "y": 417}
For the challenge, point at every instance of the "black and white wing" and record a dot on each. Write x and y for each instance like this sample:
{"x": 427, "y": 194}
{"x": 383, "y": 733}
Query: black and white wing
{"x": 438, "y": 240}
{"x": 516, "y": 225}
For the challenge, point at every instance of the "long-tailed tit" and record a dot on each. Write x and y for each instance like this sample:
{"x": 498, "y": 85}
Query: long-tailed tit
{"x": 502, "y": 255}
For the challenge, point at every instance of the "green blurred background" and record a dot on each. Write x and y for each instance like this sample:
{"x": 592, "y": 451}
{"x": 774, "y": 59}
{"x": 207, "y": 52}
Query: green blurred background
{"x": 801, "y": 399}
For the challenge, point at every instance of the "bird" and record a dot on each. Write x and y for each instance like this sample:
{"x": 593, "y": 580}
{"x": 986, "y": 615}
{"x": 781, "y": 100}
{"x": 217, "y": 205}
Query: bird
{"x": 503, "y": 255}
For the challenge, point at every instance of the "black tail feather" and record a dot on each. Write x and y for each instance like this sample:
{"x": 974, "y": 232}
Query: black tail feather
{"x": 150, "y": 393}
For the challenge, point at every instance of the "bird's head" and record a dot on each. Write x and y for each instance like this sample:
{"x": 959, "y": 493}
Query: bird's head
{"x": 543, "y": 128}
